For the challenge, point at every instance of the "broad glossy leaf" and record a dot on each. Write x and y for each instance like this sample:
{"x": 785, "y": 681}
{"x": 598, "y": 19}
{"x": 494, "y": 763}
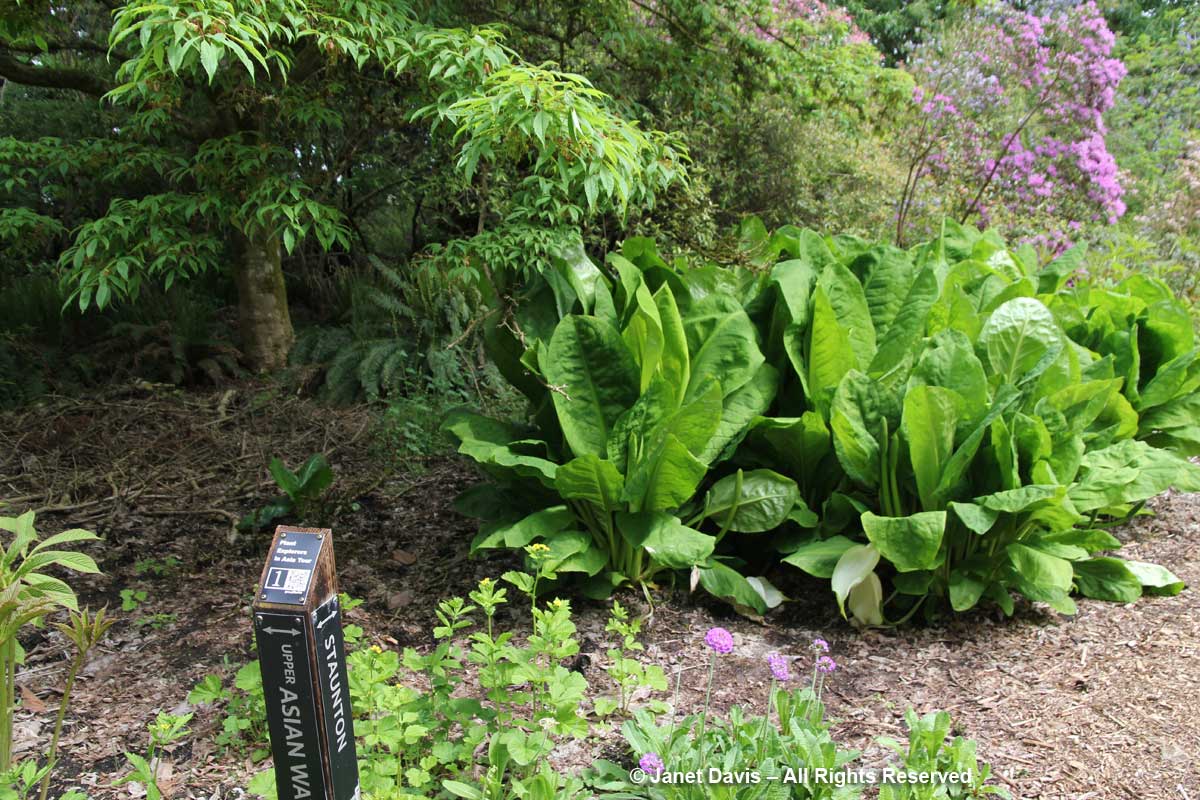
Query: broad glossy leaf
{"x": 818, "y": 557}
{"x": 849, "y": 305}
{"x": 1021, "y": 338}
{"x": 722, "y": 343}
{"x": 675, "y": 363}
{"x": 1055, "y": 547}
{"x": 591, "y": 479}
{"x": 1178, "y": 377}
{"x": 643, "y": 334}
{"x": 1052, "y": 276}
{"x": 999, "y": 594}
{"x": 765, "y": 500}
{"x": 664, "y": 477}
{"x": 803, "y": 516}
{"x": 497, "y": 446}
{"x": 908, "y": 327}
{"x": 796, "y": 444}
{"x": 965, "y": 590}
{"x": 285, "y": 479}
{"x": 950, "y": 362}
{"x": 1129, "y": 472}
{"x": 930, "y": 419}
{"x": 1107, "y": 579}
{"x": 808, "y": 246}
{"x": 314, "y": 476}
{"x": 793, "y": 283}
{"x": 738, "y": 411}
{"x": 886, "y": 273}
{"x": 585, "y": 278}
{"x": 597, "y": 378}
{"x": 1014, "y": 501}
{"x": 506, "y": 352}
{"x": 574, "y": 551}
{"x": 1175, "y": 424}
{"x": 1004, "y": 451}
{"x": 538, "y": 525}
{"x": 1082, "y": 403}
{"x": 913, "y": 583}
{"x": 863, "y": 414}
{"x": 1155, "y": 579}
{"x": 976, "y": 518}
{"x": 1039, "y": 576}
{"x": 830, "y": 353}
{"x": 724, "y": 582}
{"x": 909, "y": 543}
{"x": 1089, "y": 540}
{"x": 653, "y": 416}
{"x": 954, "y": 473}
{"x": 665, "y": 538}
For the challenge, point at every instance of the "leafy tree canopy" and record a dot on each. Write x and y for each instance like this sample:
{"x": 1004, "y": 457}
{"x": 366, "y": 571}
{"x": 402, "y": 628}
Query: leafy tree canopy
{"x": 248, "y": 127}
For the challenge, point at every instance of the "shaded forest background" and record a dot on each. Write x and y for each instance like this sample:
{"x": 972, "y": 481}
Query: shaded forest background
{"x": 173, "y": 205}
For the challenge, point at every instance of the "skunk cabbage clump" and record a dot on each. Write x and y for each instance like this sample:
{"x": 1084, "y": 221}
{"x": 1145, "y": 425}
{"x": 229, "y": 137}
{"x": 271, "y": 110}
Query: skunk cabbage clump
{"x": 641, "y": 383}
{"x": 949, "y": 422}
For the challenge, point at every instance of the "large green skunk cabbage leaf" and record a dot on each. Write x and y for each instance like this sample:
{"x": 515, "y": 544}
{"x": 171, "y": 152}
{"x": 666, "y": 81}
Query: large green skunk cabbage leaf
{"x": 594, "y": 378}
{"x": 911, "y": 543}
{"x": 1021, "y": 339}
{"x": 751, "y": 502}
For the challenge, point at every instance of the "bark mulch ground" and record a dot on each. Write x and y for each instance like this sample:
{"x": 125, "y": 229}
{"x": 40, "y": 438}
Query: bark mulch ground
{"x": 1101, "y": 705}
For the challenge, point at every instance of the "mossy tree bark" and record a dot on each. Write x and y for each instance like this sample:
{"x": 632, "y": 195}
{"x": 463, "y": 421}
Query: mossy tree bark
{"x": 266, "y": 325}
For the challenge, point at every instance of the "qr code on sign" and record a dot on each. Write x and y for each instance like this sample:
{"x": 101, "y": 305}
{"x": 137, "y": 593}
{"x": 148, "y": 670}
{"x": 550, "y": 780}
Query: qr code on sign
{"x": 297, "y": 580}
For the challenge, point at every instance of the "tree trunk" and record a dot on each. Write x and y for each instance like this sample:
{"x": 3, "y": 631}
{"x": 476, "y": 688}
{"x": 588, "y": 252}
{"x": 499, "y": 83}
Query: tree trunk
{"x": 266, "y": 324}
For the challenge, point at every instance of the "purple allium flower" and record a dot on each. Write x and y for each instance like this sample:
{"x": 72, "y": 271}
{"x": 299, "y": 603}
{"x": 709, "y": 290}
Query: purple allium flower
{"x": 826, "y": 664}
{"x": 651, "y": 764}
{"x": 719, "y": 640}
{"x": 820, "y": 645}
{"x": 779, "y": 666}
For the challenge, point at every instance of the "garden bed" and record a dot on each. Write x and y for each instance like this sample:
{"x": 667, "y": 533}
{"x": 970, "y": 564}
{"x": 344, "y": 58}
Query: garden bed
{"x": 1100, "y": 705}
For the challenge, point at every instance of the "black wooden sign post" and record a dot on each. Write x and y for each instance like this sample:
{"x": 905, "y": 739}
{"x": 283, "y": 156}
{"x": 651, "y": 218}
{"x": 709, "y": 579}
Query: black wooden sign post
{"x": 298, "y": 626}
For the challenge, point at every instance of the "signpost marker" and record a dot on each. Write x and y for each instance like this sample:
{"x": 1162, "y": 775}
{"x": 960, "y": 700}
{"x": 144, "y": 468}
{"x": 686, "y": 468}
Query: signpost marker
{"x": 298, "y": 627}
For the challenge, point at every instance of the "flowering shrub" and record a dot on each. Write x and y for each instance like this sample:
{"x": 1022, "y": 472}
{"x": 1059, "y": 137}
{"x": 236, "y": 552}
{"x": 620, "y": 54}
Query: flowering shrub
{"x": 1009, "y": 118}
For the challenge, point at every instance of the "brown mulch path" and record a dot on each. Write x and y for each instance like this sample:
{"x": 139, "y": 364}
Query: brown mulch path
{"x": 1102, "y": 705}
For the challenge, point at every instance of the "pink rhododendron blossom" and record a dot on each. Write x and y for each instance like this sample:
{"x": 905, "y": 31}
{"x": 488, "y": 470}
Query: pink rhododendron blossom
{"x": 1010, "y": 113}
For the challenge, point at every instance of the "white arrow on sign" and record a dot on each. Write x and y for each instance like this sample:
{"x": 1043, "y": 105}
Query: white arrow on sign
{"x": 288, "y": 631}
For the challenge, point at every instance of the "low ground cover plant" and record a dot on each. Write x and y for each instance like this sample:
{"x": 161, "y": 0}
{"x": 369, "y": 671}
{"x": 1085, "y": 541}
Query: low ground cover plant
{"x": 479, "y": 714}
{"x": 303, "y": 492}
{"x": 928, "y": 428}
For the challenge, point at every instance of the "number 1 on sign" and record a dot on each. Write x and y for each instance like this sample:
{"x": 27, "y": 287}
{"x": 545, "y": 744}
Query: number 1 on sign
{"x": 278, "y": 579}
